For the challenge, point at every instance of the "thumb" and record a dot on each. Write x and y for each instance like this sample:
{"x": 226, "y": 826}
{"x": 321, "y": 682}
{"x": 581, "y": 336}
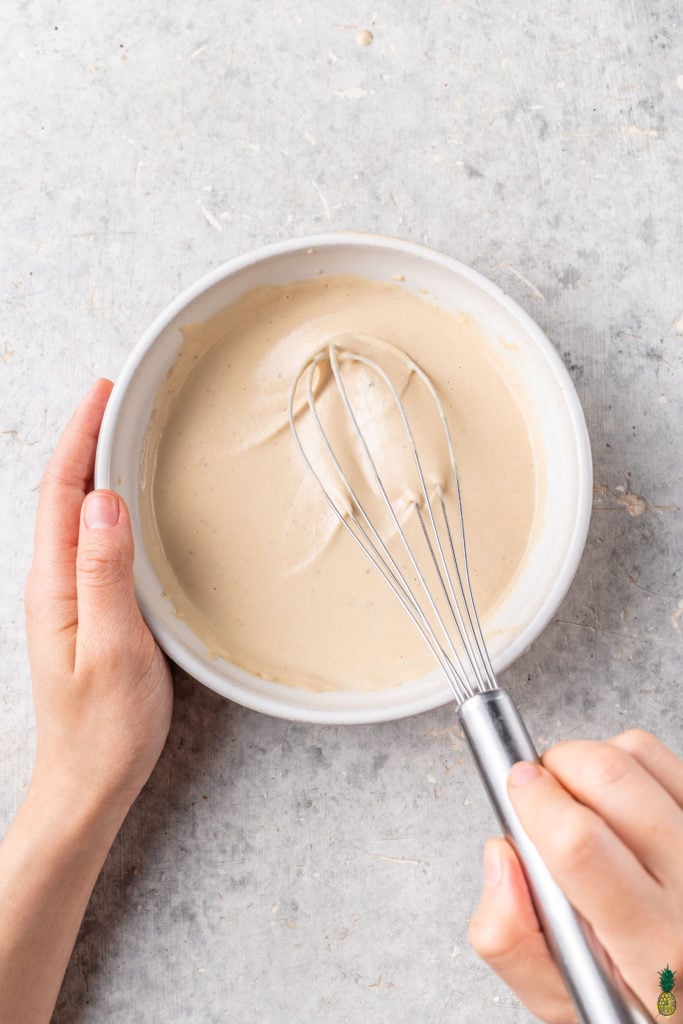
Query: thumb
{"x": 107, "y": 609}
{"x": 506, "y": 934}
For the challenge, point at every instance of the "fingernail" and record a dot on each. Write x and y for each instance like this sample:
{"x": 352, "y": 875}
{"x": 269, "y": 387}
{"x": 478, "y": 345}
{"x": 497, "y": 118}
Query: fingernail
{"x": 101, "y": 510}
{"x": 493, "y": 865}
{"x": 523, "y": 773}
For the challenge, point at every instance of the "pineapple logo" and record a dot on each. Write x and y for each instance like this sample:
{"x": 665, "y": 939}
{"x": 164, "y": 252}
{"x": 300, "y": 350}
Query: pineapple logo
{"x": 666, "y": 1004}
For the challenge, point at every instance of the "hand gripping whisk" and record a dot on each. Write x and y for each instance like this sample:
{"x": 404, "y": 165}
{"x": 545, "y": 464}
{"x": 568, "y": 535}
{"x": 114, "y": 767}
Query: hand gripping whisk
{"x": 414, "y": 535}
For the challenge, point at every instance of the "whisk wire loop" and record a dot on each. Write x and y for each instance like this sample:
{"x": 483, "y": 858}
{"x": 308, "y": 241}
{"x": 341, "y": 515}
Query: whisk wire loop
{"x": 448, "y": 592}
{"x": 489, "y": 682}
{"x": 356, "y": 357}
{"x": 374, "y": 549}
{"x": 454, "y": 583}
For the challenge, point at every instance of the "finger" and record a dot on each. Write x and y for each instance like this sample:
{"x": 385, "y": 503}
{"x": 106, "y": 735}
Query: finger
{"x": 613, "y": 783}
{"x": 656, "y": 758}
{"x": 600, "y": 876}
{"x": 506, "y": 934}
{"x": 63, "y": 487}
{"x": 109, "y": 619}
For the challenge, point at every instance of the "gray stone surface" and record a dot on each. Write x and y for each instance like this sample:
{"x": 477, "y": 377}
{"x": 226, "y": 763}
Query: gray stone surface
{"x": 274, "y": 872}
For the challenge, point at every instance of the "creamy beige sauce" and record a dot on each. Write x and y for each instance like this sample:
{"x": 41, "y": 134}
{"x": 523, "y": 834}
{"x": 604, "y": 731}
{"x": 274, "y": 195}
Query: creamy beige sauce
{"x": 238, "y": 531}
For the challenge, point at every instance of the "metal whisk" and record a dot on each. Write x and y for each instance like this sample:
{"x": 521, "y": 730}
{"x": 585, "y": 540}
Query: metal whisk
{"x": 417, "y": 543}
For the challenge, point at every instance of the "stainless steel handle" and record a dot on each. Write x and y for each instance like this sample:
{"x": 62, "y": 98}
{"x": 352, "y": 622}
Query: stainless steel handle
{"x": 498, "y": 739}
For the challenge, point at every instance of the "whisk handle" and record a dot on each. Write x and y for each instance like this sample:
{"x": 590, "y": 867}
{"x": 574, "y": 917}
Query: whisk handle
{"x": 498, "y": 739}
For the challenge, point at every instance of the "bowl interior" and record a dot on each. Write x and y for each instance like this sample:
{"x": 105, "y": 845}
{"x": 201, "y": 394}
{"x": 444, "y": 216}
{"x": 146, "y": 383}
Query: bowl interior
{"x": 530, "y": 364}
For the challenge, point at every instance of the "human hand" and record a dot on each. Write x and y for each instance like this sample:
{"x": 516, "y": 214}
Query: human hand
{"x": 101, "y": 686}
{"x": 103, "y": 696}
{"x": 607, "y": 819}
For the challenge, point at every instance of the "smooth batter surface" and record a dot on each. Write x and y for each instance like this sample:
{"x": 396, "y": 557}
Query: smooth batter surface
{"x": 239, "y": 533}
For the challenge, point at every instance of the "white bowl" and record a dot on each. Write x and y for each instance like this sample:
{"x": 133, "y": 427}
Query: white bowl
{"x": 521, "y": 347}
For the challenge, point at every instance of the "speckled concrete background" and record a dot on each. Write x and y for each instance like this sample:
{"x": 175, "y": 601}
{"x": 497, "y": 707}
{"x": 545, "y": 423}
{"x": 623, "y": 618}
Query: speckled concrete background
{"x": 289, "y": 874}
